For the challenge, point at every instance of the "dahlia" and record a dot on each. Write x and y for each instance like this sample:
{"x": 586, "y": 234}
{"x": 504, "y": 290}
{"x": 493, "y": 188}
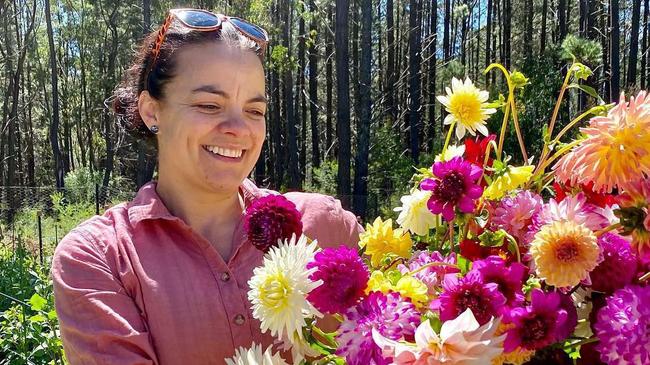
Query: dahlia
{"x": 380, "y": 239}
{"x": 515, "y": 215}
{"x": 467, "y": 107}
{"x": 470, "y": 291}
{"x": 279, "y": 287}
{"x": 344, "y": 279}
{"x": 623, "y": 327}
{"x": 510, "y": 179}
{"x": 537, "y": 325}
{"x": 431, "y": 276}
{"x": 618, "y": 267}
{"x": 509, "y": 279}
{"x": 271, "y": 219}
{"x": 616, "y": 151}
{"x": 255, "y": 356}
{"x": 389, "y": 314}
{"x": 455, "y": 186}
{"x": 564, "y": 253}
{"x": 633, "y": 214}
{"x": 414, "y": 215}
{"x": 572, "y": 208}
{"x": 407, "y": 286}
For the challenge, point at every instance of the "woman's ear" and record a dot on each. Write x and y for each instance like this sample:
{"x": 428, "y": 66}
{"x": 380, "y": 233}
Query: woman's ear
{"x": 148, "y": 108}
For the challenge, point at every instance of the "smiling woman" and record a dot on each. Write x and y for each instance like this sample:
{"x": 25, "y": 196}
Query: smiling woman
{"x": 162, "y": 279}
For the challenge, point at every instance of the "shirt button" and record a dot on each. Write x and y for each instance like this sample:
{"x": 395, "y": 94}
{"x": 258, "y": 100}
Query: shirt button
{"x": 239, "y": 319}
{"x": 225, "y": 277}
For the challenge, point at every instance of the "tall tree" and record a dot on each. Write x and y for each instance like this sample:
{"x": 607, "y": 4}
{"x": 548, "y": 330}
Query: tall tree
{"x": 329, "y": 86}
{"x": 343, "y": 104}
{"x": 290, "y": 114}
{"x": 360, "y": 201}
{"x": 644, "y": 45}
{"x": 313, "y": 88}
{"x": 542, "y": 37}
{"x": 54, "y": 126}
{"x": 390, "y": 63}
{"x": 446, "y": 44}
{"x": 634, "y": 43}
{"x": 146, "y": 153}
{"x": 614, "y": 43}
{"x": 415, "y": 46}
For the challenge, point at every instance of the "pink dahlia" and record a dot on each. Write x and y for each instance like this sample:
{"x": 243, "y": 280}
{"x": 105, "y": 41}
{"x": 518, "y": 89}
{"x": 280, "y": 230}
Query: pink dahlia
{"x": 618, "y": 267}
{"x": 633, "y": 213}
{"x": 623, "y": 327}
{"x": 344, "y": 277}
{"x": 455, "y": 185}
{"x": 509, "y": 278}
{"x": 470, "y": 291}
{"x": 269, "y": 219}
{"x": 537, "y": 325}
{"x": 389, "y": 314}
{"x": 515, "y": 215}
{"x": 432, "y": 276}
{"x": 572, "y": 208}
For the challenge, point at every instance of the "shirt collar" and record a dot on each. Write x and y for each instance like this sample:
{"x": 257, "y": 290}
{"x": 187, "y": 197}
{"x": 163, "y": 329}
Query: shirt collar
{"x": 147, "y": 204}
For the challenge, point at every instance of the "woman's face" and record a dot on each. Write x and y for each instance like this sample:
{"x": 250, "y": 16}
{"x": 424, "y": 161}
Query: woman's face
{"x": 211, "y": 120}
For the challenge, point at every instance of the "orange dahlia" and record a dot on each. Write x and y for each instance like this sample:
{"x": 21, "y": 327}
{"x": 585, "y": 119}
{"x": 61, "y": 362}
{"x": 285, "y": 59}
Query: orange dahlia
{"x": 564, "y": 253}
{"x": 616, "y": 151}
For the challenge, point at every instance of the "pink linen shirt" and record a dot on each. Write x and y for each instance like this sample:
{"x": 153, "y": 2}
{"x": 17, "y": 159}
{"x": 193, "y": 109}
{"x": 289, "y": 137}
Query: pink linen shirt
{"x": 139, "y": 286}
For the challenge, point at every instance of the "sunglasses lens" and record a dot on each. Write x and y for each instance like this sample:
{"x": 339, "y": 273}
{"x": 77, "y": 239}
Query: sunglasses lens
{"x": 249, "y": 28}
{"x": 197, "y": 18}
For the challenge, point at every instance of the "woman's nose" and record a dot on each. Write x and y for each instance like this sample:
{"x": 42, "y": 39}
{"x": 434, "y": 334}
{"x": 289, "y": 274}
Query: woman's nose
{"x": 234, "y": 123}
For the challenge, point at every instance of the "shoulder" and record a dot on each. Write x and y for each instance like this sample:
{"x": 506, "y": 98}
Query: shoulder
{"x": 325, "y": 219}
{"x": 93, "y": 236}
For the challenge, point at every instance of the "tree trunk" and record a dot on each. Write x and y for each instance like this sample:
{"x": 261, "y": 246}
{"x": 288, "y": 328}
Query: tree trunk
{"x": 415, "y": 45}
{"x": 146, "y": 153}
{"x": 433, "y": 26}
{"x": 528, "y": 36}
{"x": 343, "y": 105}
{"x": 562, "y": 21}
{"x": 615, "y": 88}
{"x": 644, "y": 50}
{"x": 108, "y": 88}
{"x": 634, "y": 43}
{"x": 446, "y": 46}
{"x": 313, "y": 90}
{"x": 54, "y": 125}
{"x": 292, "y": 131}
{"x": 361, "y": 162}
{"x": 329, "y": 85}
{"x": 488, "y": 39}
{"x": 300, "y": 107}
{"x": 542, "y": 37}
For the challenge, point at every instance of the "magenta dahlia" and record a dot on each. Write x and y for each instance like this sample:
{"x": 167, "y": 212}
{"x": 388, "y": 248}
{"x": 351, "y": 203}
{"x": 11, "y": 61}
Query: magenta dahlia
{"x": 509, "y": 278}
{"x": 455, "y": 185}
{"x": 470, "y": 291}
{"x": 344, "y": 277}
{"x": 623, "y": 327}
{"x": 618, "y": 267}
{"x": 537, "y": 325}
{"x": 391, "y": 315}
{"x": 515, "y": 215}
{"x": 271, "y": 218}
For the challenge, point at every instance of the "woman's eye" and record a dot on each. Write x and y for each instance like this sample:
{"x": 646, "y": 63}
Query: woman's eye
{"x": 208, "y": 107}
{"x": 256, "y": 112}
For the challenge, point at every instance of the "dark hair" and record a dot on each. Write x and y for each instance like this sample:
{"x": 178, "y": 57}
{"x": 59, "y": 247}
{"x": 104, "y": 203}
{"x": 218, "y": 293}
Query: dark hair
{"x": 125, "y": 97}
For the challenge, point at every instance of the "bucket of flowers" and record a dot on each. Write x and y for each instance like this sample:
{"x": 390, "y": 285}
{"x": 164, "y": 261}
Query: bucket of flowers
{"x": 488, "y": 262}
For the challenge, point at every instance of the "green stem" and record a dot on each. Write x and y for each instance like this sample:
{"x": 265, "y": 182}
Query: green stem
{"x": 645, "y": 276}
{"x": 570, "y": 125}
{"x": 582, "y": 342}
{"x": 324, "y": 336}
{"x": 607, "y": 229}
{"x": 444, "y": 148}
{"x": 431, "y": 264}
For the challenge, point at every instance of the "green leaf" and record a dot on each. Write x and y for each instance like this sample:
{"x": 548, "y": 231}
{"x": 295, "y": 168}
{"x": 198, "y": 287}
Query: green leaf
{"x": 37, "y": 302}
{"x": 37, "y": 318}
{"x": 518, "y": 79}
{"x": 51, "y": 315}
{"x": 581, "y": 71}
{"x": 463, "y": 264}
{"x": 492, "y": 239}
{"x": 588, "y": 89}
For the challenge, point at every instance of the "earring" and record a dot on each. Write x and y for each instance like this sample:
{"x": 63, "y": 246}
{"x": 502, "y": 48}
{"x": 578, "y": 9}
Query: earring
{"x": 154, "y": 129}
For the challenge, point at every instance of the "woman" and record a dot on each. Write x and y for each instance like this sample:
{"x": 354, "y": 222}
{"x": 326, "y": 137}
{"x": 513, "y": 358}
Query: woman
{"x": 163, "y": 279}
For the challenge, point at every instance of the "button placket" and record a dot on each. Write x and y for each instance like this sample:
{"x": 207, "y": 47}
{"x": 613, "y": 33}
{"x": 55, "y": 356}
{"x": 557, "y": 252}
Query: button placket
{"x": 239, "y": 319}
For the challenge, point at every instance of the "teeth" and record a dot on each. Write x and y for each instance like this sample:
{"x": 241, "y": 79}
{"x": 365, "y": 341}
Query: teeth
{"x": 224, "y": 151}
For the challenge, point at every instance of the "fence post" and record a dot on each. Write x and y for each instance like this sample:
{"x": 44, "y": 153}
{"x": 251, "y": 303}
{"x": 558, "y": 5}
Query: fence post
{"x": 40, "y": 239}
{"x": 97, "y": 199}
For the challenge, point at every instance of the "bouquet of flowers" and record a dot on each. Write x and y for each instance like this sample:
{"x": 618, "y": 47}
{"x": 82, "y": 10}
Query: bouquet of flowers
{"x": 488, "y": 262}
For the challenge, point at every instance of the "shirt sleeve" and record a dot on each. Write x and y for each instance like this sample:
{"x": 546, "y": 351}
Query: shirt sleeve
{"x": 324, "y": 219}
{"x": 99, "y": 321}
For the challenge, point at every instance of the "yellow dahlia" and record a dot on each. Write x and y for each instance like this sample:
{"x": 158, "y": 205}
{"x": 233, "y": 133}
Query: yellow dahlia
{"x": 513, "y": 178}
{"x": 616, "y": 151}
{"x": 564, "y": 253}
{"x": 467, "y": 106}
{"x": 380, "y": 239}
{"x": 406, "y": 286}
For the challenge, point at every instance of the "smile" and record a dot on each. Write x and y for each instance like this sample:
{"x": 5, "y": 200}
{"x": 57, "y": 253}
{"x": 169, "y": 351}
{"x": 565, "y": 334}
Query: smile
{"x": 225, "y": 152}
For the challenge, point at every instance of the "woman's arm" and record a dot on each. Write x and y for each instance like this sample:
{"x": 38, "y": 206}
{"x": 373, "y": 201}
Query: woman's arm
{"x": 100, "y": 323}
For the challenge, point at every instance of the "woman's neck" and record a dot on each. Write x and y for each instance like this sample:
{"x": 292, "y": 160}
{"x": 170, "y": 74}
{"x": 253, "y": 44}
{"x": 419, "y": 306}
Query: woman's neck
{"x": 212, "y": 215}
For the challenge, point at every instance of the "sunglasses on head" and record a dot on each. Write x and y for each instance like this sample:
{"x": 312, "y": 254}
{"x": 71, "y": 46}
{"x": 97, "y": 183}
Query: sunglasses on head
{"x": 206, "y": 21}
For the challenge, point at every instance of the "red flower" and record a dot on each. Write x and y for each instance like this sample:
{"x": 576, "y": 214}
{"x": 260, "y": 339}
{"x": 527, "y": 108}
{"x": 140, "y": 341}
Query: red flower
{"x": 271, "y": 218}
{"x": 600, "y": 199}
{"x": 475, "y": 150}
